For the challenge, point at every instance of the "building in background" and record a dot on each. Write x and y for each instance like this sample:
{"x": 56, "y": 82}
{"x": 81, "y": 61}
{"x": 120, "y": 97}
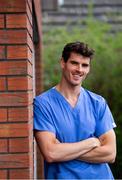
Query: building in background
{"x": 60, "y": 12}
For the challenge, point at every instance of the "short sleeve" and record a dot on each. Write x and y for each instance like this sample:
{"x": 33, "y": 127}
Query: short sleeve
{"x": 42, "y": 116}
{"x": 105, "y": 120}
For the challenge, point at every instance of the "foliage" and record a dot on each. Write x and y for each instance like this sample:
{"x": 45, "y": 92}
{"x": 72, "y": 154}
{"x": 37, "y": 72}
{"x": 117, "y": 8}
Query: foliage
{"x": 105, "y": 77}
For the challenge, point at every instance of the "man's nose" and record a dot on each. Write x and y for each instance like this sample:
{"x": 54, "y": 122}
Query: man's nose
{"x": 79, "y": 67}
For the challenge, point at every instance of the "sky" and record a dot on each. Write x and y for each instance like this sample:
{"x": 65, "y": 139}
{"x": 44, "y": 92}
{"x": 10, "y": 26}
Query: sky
{"x": 60, "y": 1}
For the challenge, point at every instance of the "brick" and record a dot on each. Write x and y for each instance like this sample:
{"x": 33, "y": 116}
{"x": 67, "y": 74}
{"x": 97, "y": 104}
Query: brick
{"x": 29, "y": 14}
{"x": 14, "y": 68}
{"x": 14, "y": 130}
{"x": 3, "y": 174}
{"x": 31, "y": 163}
{"x": 30, "y": 83}
{"x": 30, "y": 42}
{"x": 1, "y": 21}
{"x": 20, "y": 83}
{"x": 3, "y": 145}
{"x": 12, "y": 6}
{"x": 12, "y": 52}
{"x": 16, "y": 21}
{"x": 3, "y": 115}
{"x": 2, "y": 52}
{"x": 19, "y": 21}
{"x": 19, "y": 174}
{"x": 19, "y": 145}
{"x": 30, "y": 69}
{"x": 29, "y": 27}
{"x": 29, "y": 19}
{"x": 13, "y": 36}
{"x": 30, "y": 55}
{"x": 2, "y": 83}
{"x": 14, "y": 160}
{"x": 30, "y": 4}
{"x": 16, "y": 99}
{"x": 19, "y": 114}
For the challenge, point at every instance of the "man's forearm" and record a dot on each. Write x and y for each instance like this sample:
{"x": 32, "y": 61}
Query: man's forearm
{"x": 54, "y": 151}
{"x": 100, "y": 154}
{"x": 70, "y": 151}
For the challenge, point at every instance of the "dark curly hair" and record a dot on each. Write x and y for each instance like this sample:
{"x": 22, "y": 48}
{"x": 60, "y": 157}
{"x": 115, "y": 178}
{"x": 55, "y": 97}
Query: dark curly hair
{"x": 78, "y": 48}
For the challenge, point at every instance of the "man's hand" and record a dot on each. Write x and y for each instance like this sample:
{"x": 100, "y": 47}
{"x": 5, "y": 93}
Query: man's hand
{"x": 104, "y": 153}
{"x": 96, "y": 142}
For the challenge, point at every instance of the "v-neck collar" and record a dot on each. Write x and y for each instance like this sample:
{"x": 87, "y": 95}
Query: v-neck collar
{"x": 65, "y": 100}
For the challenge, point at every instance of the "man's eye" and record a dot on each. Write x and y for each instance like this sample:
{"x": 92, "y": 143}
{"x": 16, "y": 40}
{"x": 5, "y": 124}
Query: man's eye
{"x": 85, "y": 65}
{"x": 73, "y": 62}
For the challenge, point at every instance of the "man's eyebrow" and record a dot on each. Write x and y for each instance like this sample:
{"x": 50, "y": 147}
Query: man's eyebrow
{"x": 74, "y": 61}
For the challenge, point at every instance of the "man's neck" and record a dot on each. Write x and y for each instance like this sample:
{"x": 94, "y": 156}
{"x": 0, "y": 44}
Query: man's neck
{"x": 71, "y": 93}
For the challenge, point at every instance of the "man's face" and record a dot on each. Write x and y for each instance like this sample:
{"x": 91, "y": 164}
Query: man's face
{"x": 75, "y": 69}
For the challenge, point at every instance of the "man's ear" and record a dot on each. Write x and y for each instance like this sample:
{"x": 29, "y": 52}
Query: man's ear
{"x": 62, "y": 63}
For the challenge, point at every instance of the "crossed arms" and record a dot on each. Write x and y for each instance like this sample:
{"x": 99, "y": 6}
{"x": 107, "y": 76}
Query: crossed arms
{"x": 92, "y": 150}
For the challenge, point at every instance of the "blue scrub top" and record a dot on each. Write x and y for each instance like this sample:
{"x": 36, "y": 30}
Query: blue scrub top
{"x": 90, "y": 117}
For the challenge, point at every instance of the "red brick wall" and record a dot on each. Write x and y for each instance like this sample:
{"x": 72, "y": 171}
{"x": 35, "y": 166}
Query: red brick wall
{"x": 16, "y": 89}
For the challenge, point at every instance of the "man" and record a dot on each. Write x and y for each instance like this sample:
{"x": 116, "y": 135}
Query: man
{"x": 73, "y": 126}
